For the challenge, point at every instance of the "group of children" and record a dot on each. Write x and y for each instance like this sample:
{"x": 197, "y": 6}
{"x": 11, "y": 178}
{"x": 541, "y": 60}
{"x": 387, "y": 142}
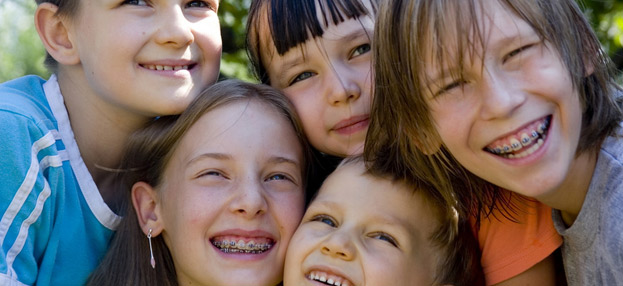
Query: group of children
{"x": 479, "y": 136}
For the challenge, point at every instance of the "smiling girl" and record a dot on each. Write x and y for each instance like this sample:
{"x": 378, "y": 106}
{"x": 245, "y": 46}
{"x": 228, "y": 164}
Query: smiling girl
{"x": 214, "y": 196}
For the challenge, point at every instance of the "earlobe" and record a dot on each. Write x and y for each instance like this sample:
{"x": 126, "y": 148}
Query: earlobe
{"x": 147, "y": 208}
{"x": 54, "y": 34}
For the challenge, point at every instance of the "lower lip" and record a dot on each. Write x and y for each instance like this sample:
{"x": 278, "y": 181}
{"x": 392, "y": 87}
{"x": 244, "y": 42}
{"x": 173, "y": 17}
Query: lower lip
{"x": 354, "y": 128}
{"x": 244, "y": 256}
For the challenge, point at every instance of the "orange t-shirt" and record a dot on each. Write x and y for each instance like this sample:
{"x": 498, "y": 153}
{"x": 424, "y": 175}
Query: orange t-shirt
{"x": 509, "y": 248}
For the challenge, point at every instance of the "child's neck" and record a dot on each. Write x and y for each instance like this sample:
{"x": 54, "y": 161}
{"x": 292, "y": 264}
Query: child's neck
{"x": 100, "y": 130}
{"x": 569, "y": 196}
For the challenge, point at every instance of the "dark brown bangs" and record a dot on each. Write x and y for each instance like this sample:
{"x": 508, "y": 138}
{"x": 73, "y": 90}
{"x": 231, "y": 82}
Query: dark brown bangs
{"x": 293, "y": 22}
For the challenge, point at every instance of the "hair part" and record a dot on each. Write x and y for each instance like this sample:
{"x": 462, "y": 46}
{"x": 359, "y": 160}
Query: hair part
{"x": 146, "y": 156}
{"x": 402, "y": 128}
{"x": 286, "y": 24}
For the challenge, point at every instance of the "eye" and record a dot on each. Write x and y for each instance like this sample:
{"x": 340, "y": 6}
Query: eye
{"x": 385, "y": 237}
{"x": 325, "y": 219}
{"x": 277, "y": 177}
{"x": 516, "y": 52}
{"x": 211, "y": 173}
{"x": 360, "y": 50}
{"x": 302, "y": 76}
{"x": 450, "y": 87}
{"x": 135, "y": 2}
{"x": 200, "y": 4}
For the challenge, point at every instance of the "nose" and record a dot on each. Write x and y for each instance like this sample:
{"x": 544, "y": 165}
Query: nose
{"x": 344, "y": 85}
{"x": 500, "y": 96}
{"x": 249, "y": 200}
{"x": 339, "y": 245}
{"x": 174, "y": 29}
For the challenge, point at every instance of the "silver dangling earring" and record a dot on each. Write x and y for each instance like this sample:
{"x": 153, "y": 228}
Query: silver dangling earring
{"x": 151, "y": 251}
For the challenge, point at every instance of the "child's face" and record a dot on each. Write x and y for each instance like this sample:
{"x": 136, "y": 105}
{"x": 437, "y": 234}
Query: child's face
{"x": 360, "y": 231}
{"x": 330, "y": 85}
{"x": 514, "y": 119}
{"x": 148, "y": 57}
{"x": 235, "y": 178}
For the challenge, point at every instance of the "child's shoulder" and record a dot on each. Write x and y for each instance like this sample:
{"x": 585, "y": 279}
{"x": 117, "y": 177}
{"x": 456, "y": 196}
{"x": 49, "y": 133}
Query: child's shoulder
{"x": 613, "y": 145}
{"x": 25, "y": 97}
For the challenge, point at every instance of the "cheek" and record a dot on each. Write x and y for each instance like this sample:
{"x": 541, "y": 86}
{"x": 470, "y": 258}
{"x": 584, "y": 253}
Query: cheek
{"x": 395, "y": 270}
{"x": 288, "y": 211}
{"x": 450, "y": 125}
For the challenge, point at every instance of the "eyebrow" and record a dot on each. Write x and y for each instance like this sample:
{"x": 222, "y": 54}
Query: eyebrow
{"x": 226, "y": 157}
{"x": 353, "y": 35}
{"x": 291, "y": 63}
{"x": 282, "y": 160}
{"x": 216, "y": 156}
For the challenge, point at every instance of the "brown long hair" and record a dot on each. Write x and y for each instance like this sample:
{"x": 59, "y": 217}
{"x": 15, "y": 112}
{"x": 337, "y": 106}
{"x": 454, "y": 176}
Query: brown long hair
{"x": 402, "y": 132}
{"x": 146, "y": 156}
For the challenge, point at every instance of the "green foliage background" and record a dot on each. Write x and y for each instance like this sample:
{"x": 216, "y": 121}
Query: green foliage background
{"x": 22, "y": 53}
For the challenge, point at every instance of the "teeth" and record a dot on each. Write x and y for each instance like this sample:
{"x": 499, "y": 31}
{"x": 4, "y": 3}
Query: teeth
{"x": 515, "y": 144}
{"x": 506, "y": 148}
{"x": 166, "y": 68}
{"x": 328, "y": 279}
{"x": 232, "y": 246}
{"x": 525, "y": 139}
{"x": 525, "y": 144}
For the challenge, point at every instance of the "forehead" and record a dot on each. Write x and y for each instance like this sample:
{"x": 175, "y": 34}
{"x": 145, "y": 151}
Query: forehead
{"x": 465, "y": 37}
{"x": 351, "y": 192}
{"x": 241, "y": 129}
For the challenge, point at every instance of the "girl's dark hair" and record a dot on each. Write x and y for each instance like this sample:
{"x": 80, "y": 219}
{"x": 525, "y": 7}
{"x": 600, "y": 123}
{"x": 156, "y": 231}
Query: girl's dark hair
{"x": 291, "y": 23}
{"x": 402, "y": 135}
{"x": 146, "y": 156}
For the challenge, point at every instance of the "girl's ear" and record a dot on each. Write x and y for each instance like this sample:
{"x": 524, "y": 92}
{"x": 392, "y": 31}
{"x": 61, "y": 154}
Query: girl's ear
{"x": 54, "y": 33}
{"x": 147, "y": 207}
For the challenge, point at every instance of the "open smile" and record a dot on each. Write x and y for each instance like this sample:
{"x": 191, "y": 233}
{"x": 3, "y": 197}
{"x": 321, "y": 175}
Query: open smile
{"x": 522, "y": 143}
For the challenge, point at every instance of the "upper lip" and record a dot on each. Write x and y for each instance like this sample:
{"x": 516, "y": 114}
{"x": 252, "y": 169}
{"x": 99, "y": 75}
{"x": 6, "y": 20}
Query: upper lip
{"x": 350, "y": 121}
{"x": 330, "y": 270}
